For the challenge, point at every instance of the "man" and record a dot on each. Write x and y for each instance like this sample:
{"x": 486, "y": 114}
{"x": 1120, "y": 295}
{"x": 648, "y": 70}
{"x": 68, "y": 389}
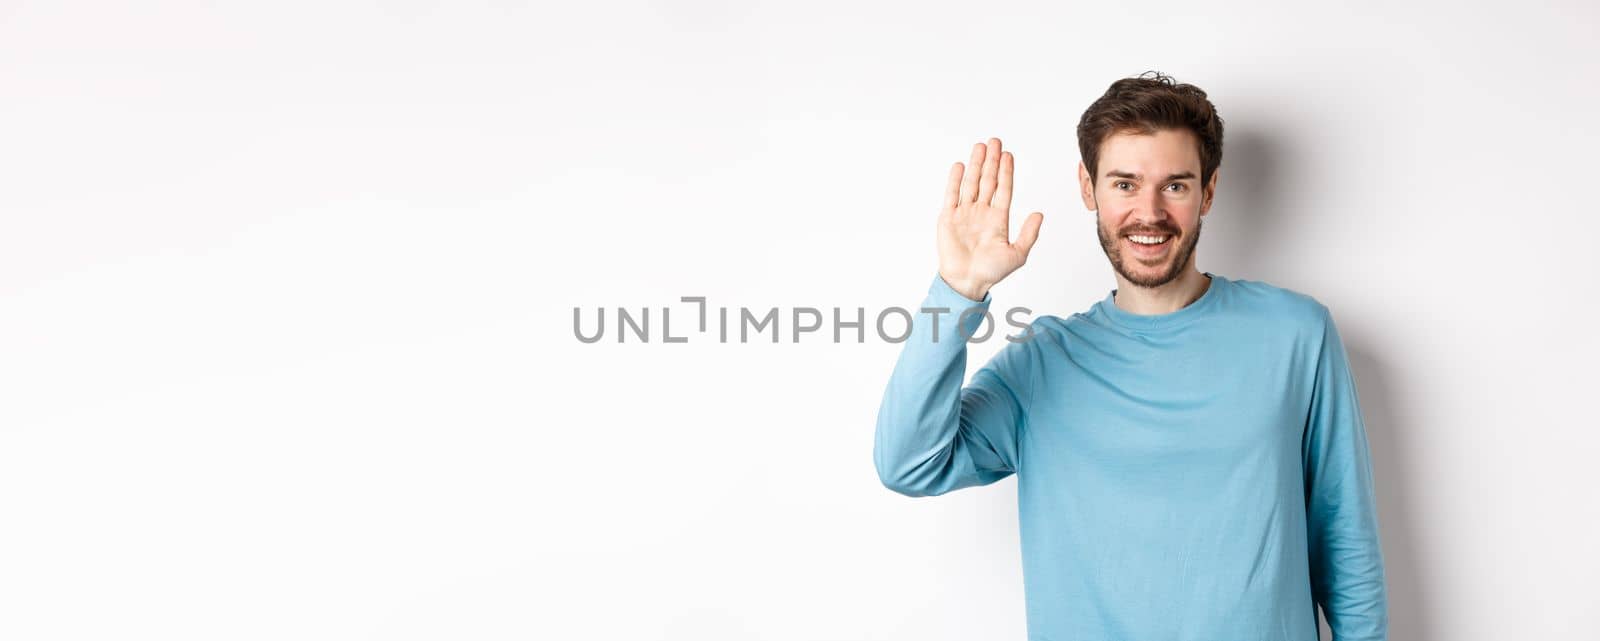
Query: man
{"x": 1190, "y": 455}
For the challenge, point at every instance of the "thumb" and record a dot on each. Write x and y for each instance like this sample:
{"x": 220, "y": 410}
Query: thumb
{"x": 1029, "y": 233}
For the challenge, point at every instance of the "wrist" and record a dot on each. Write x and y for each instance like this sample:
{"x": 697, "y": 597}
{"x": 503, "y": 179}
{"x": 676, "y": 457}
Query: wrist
{"x": 969, "y": 289}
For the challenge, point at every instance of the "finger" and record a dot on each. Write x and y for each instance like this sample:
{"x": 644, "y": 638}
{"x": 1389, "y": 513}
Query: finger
{"x": 1030, "y": 233}
{"x": 1002, "y": 192}
{"x": 969, "y": 183}
{"x": 952, "y": 187}
{"x": 991, "y": 166}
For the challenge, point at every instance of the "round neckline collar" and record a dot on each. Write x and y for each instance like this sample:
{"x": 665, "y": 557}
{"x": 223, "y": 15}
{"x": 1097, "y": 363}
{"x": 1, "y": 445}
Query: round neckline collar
{"x": 1187, "y": 313}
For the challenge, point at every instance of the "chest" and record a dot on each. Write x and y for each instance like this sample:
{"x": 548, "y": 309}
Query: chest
{"x": 1171, "y": 404}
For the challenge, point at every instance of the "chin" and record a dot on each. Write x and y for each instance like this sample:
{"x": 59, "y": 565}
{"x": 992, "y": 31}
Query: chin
{"x": 1145, "y": 275}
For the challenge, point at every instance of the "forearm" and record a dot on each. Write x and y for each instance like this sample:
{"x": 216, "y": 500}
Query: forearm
{"x": 1348, "y": 569}
{"x": 918, "y": 449}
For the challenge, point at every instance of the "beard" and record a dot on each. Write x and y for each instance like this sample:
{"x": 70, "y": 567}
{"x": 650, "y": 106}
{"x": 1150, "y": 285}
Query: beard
{"x": 1177, "y": 259}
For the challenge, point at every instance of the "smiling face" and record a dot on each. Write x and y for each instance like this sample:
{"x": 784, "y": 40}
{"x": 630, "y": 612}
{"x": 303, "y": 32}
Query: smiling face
{"x": 1149, "y": 202}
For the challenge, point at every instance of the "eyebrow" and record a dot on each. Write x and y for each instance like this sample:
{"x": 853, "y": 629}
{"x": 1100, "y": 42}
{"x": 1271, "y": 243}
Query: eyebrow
{"x": 1115, "y": 173}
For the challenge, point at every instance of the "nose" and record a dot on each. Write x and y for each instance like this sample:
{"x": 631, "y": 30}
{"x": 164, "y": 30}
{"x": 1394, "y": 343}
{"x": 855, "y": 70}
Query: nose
{"x": 1149, "y": 210}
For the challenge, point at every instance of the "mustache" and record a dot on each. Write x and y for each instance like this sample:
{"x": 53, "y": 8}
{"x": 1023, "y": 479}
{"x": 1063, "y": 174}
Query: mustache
{"x": 1147, "y": 231}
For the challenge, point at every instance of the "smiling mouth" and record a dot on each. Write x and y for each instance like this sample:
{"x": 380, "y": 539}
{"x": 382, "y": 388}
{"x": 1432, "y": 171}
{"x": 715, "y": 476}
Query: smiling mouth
{"x": 1149, "y": 245}
{"x": 1149, "y": 239}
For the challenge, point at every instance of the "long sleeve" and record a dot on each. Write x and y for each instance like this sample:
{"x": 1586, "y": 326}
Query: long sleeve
{"x": 1347, "y": 574}
{"x": 934, "y": 436}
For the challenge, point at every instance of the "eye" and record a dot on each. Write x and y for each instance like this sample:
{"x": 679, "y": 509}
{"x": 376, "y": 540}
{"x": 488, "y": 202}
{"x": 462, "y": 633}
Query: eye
{"x": 1119, "y": 183}
{"x": 1180, "y": 186}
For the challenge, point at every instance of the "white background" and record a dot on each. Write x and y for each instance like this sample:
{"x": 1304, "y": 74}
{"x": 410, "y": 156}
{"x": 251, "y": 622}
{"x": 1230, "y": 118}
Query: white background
{"x": 286, "y": 295}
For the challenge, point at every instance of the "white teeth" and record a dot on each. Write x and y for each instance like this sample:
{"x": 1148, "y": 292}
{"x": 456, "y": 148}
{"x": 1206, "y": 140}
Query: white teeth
{"x": 1148, "y": 240}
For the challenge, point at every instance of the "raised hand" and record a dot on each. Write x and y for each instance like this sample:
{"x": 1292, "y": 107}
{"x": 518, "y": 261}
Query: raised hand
{"x": 975, "y": 248}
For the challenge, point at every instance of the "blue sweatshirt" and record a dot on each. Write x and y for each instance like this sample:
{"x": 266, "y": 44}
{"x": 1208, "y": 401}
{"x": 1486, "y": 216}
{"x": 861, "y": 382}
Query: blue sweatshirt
{"x": 1201, "y": 475}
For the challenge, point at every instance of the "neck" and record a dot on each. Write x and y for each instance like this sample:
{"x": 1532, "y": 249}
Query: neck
{"x": 1176, "y": 294}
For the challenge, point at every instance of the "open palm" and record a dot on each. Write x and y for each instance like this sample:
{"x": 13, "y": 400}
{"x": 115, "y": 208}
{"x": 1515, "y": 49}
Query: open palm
{"x": 975, "y": 248}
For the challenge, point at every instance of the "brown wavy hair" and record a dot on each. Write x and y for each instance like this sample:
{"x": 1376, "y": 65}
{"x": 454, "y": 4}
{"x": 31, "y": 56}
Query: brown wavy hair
{"x": 1145, "y": 104}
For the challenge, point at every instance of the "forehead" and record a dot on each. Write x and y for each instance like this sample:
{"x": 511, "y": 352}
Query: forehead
{"x": 1164, "y": 152}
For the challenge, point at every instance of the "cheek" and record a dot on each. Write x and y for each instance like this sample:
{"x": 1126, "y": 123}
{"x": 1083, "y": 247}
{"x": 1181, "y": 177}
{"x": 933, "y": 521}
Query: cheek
{"x": 1186, "y": 215}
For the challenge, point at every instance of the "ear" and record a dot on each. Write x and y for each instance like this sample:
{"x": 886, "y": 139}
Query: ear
{"x": 1210, "y": 191}
{"x": 1086, "y": 188}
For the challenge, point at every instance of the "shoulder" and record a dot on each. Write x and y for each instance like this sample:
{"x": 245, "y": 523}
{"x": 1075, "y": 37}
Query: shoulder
{"x": 1280, "y": 305}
